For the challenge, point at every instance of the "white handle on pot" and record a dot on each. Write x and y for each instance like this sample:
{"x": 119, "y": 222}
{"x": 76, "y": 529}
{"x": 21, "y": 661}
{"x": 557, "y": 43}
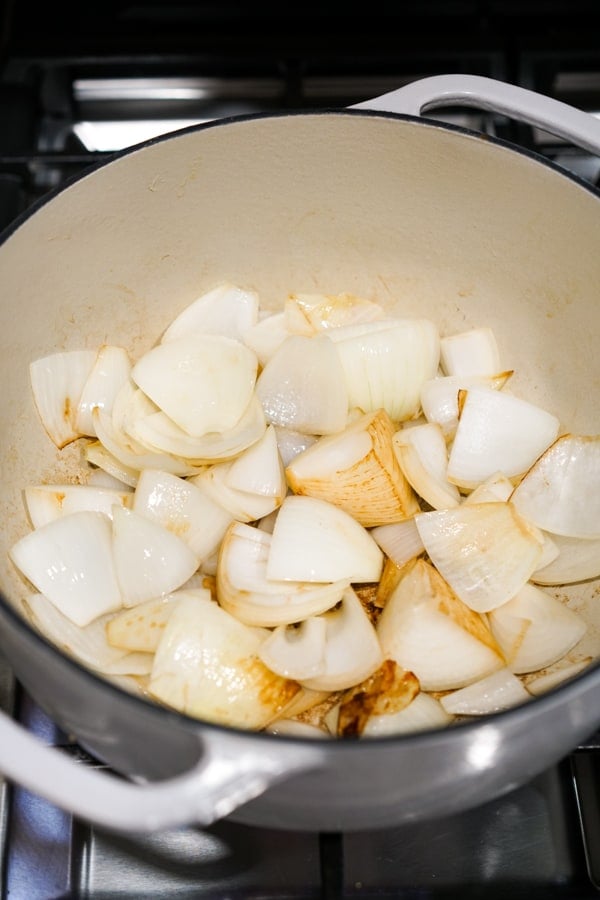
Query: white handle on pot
{"x": 219, "y": 783}
{"x": 510, "y": 100}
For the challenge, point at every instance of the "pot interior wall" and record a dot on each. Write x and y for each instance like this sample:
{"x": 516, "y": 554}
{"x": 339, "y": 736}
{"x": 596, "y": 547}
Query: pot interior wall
{"x": 425, "y": 220}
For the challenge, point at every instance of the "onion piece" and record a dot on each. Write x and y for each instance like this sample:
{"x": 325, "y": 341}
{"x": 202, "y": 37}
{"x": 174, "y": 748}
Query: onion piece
{"x": 496, "y": 487}
{"x": 386, "y": 691}
{"x": 266, "y": 337}
{"x": 70, "y": 561}
{"x": 311, "y": 313}
{"x": 385, "y": 366}
{"x": 439, "y": 397}
{"x": 110, "y": 371}
{"x": 244, "y": 590}
{"x": 141, "y": 628}
{"x": 101, "y": 479}
{"x": 57, "y": 381}
{"x": 46, "y": 502}
{"x": 352, "y": 649}
{"x": 427, "y": 630}
{"x": 485, "y": 551}
{"x": 203, "y": 382}
{"x": 259, "y": 468}
{"x": 158, "y": 432}
{"x": 400, "y": 541}
{"x": 149, "y": 559}
{"x": 498, "y": 432}
{"x": 498, "y": 691}
{"x": 422, "y": 714}
{"x": 226, "y": 310}
{"x": 88, "y": 644}
{"x": 295, "y": 728}
{"x": 561, "y": 491}
{"x": 296, "y": 652}
{"x": 125, "y": 450}
{"x": 423, "y": 457}
{"x": 357, "y": 470}
{"x": 241, "y": 505}
{"x": 302, "y": 386}
{"x": 471, "y": 352}
{"x": 576, "y": 559}
{"x": 549, "y": 680}
{"x": 183, "y": 508}
{"x": 97, "y": 455}
{"x": 290, "y": 443}
{"x": 207, "y": 666}
{"x": 534, "y": 629}
{"x": 316, "y": 541}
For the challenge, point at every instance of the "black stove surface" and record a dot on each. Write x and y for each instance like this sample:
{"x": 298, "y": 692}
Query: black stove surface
{"x": 77, "y": 84}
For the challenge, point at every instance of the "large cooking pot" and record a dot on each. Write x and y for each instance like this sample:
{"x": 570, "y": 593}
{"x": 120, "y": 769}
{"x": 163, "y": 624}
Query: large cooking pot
{"x": 423, "y": 217}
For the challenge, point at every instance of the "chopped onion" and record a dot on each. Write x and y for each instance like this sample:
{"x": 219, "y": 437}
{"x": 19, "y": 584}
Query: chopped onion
{"x": 310, "y": 313}
{"x": 141, "y": 628}
{"x": 498, "y": 691}
{"x": 496, "y": 487}
{"x": 576, "y": 559}
{"x": 207, "y": 665}
{"x": 183, "y": 508}
{"x": 124, "y": 449}
{"x": 291, "y": 443}
{"x": 266, "y": 337}
{"x": 472, "y": 352}
{"x": 316, "y": 541}
{"x": 245, "y": 591}
{"x": 439, "y": 397}
{"x": 259, "y": 468}
{"x": 111, "y": 369}
{"x": 149, "y": 559}
{"x": 57, "y": 381}
{"x": 46, "y": 502}
{"x": 386, "y": 366}
{"x": 549, "y": 680}
{"x": 535, "y": 629}
{"x": 561, "y": 492}
{"x": 226, "y": 310}
{"x": 203, "y": 382}
{"x": 158, "y": 432}
{"x": 302, "y": 386}
{"x": 386, "y": 691}
{"x": 97, "y": 455}
{"x": 296, "y": 728}
{"x": 485, "y": 551}
{"x": 241, "y": 505}
{"x": 497, "y": 432}
{"x": 357, "y": 470}
{"x": 70, "y": 561}
{"x": 427, "y": 630}
{"x": 88, "y": 644}
{"x": 352, "y": 650}
{"x": 296, "y": 652}
{"x": 400, "y": 541}
{"x": 422, "y": 714}
{"x": 421, "y": 452}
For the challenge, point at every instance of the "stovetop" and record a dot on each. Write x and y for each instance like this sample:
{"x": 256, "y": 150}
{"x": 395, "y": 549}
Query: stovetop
{"x": 78, "y": 83}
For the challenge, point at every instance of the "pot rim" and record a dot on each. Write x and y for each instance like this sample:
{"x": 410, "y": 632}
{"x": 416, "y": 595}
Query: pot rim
{"x": 556, "y": 696}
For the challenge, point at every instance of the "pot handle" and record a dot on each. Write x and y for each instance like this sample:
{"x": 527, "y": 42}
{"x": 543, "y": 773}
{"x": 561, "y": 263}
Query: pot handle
{"x": 222, "y": 780}
{"x": 510, "y": 100}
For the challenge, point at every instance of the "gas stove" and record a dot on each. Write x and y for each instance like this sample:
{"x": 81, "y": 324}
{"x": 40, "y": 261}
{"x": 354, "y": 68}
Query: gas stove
{"x": 77, "y": 86}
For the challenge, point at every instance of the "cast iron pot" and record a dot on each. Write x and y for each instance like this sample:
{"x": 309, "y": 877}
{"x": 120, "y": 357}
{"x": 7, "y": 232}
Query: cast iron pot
{"x": 423, "y": 217}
